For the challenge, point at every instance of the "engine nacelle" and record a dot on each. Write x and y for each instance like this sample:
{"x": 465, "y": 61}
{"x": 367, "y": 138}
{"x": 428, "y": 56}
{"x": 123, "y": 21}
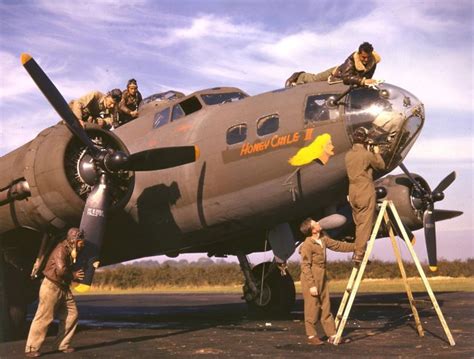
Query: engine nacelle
{"x": 44, "y": 183}
{"x": 401, "y": 191}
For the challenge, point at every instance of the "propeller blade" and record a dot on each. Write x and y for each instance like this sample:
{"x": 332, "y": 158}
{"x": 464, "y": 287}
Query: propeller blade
{"x": 93, "y": 224}
{"x": 442, "y": 214}
{"x": 408, "y": 174}
{"x": 446, "y": 182}
{"x": 56, "y": 100}
{"x": 430, "y": 238}
{"x": 161, "y": 158}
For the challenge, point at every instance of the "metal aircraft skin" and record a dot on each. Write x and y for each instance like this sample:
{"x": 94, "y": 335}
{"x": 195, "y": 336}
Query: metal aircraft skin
{"x": 262, "y": 162}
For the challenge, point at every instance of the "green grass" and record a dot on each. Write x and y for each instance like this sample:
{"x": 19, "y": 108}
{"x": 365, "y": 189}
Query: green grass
{"x": 438, "y": 284}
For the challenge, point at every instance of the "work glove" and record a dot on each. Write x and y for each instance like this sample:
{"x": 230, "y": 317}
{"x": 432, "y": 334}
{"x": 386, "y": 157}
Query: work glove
{"x": 314, "y": 291}
{"x": 78, "y": 275}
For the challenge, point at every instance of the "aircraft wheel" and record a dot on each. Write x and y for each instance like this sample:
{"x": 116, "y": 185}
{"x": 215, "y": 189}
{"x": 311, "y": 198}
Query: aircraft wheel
{"x": 16, "y": 291}
{"x": 5, "y": 328}
{"x": 277, "y": 295}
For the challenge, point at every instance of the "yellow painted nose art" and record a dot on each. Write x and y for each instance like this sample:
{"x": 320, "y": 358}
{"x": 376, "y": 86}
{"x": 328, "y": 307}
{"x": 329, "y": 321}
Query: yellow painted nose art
{"x": 320, "y": 149}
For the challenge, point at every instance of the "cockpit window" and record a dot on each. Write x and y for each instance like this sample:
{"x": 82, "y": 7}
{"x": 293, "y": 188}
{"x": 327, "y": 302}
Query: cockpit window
{"x": 267, "y": 125}
{"x": 187, "y": 107}
{"x": 237, "y": 133}
{"x": 218, "y": 98}
{"x": 317, "y": 109}
{"x": 161, "y": 118}
{"x": 162, "y": 96}
{"x": 177, "y": 112}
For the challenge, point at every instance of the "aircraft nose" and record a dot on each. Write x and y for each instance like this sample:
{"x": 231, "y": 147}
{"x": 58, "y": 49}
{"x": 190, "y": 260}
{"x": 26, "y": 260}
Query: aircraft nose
{"x": 392, "y": 116}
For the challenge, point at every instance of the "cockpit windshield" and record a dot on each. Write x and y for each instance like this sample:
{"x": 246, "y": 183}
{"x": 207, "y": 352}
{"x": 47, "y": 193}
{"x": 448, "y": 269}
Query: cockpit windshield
{"x": 392, "y": 116}
{"x": 218, "y": 98}
{"x": 163, "y": 96}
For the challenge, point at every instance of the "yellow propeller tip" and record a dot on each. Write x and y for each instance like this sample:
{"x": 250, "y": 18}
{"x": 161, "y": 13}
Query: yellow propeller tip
{"x": 25, "y": 58}
{"x": 81, "y": 288}
{"x": 433, "y": 268}
{"x": 197, "y": 152}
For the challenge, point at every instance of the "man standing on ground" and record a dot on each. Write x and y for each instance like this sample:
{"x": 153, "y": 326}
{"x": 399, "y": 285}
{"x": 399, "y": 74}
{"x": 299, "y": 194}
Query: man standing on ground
{"x": 55, "y": 297}
{"x": 317, "y": 304}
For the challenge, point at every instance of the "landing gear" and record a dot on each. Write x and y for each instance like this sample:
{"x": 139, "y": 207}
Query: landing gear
{"x": 267, "y": 289}
{"x": 4, "y": 312}
{"x": 13, "y": 298}
{"x": 17, "y": 290}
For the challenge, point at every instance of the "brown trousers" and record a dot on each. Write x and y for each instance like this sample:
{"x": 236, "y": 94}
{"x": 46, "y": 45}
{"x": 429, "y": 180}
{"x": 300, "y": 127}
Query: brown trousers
{"x": 306, "y": 77}
{"x": 53, "y": 301}
{"x": 317, "y": 309}
{"x": 363, "y": 212}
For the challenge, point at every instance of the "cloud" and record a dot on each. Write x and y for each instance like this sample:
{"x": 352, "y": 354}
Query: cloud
{"x": 97, "y": 48}
{"x": 24, "y": 124}
{"x": 14, "y": 80}
{"x": 262, "y": 59}
{"x": 456, "y": 149}
{"x": 209, "y": 28}
{"x": 93, "y": 12}
{"x": 16, "y": 84}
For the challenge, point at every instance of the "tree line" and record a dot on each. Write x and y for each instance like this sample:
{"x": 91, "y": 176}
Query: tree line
{"x": 205, "y": 272}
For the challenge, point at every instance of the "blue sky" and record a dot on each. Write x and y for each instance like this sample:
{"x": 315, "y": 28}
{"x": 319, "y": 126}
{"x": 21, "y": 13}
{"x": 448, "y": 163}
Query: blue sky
{"x": 426, "y": 48}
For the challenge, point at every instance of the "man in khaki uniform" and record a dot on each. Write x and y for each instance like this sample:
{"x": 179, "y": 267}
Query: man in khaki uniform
{"x": 317, "y": 305}
{"x": 55, "y": 297}
{"x": 360, "y": 164}
{"x": 95, "y": 107}
{"x": 301, "y": 77}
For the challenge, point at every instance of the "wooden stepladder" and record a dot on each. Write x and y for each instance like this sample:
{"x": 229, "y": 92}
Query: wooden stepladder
{"x": 358, "y": 273}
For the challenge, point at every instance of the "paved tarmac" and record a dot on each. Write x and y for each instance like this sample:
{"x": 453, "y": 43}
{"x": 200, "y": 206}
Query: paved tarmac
{"x": 218, "y": 326}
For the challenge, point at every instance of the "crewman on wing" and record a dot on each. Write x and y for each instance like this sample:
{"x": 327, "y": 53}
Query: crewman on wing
{"x": 55, "y": 297}
{"x": 358, "y": 69}
{"x": 95, "y": 107}
{"x": 317, "y": 305}
{"x": 360, "y": 163}
{"x": 128, "y": 106}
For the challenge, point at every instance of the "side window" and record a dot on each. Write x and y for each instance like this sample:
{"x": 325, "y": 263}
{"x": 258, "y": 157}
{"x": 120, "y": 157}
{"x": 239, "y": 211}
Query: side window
{"x": 236, "y": 134}
{"x": 267, "y": 125}
{"x": 177, "y": 113}
{"x": 317, "y": 109}
{"x": 161, "y": 118}
{"x": 186, "y": 107}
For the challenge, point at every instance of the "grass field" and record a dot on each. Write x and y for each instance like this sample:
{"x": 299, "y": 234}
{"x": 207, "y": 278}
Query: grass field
{"x": 438, "y": 284}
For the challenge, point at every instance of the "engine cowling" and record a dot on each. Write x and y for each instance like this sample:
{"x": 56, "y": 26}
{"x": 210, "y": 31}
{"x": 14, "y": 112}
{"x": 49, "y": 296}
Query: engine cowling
{"x": 54, "y": 171}
{"x": 401, "y": 191}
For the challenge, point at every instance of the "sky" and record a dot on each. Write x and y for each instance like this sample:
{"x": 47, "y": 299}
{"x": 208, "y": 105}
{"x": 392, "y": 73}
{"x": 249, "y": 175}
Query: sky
{"x": 426, "y": 48}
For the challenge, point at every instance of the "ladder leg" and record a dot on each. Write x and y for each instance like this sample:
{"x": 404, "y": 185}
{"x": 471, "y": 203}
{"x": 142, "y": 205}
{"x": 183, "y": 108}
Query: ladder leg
{"x": 423, "y": 277}
{"x": 348, "y": 290}
{"x": 411, "y": 300}
{"x": 360, "y": 273}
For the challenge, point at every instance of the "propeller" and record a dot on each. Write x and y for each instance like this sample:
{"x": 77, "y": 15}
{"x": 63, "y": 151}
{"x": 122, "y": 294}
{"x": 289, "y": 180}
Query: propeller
{"x": 57, "y": 101}
{"x": 430, "y": 215}
{"x": 107, "y": 162}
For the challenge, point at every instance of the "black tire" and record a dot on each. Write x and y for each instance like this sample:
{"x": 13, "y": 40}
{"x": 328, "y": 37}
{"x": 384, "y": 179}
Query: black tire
{"x": 278, "y": 297}
{"x": 17, "y": 290}
{"x": 5, "y": 327}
